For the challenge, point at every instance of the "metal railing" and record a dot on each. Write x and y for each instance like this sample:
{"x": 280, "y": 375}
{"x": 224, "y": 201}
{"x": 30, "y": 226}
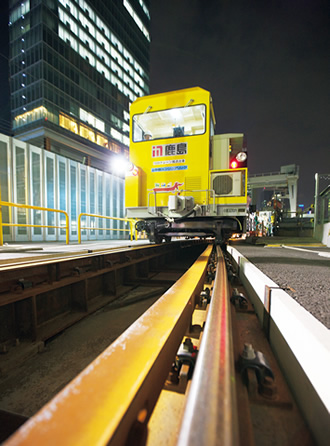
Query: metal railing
{"x": 210, "y": 194}
{"x": 26, "y": 225}
{"x": 130, "y": 221}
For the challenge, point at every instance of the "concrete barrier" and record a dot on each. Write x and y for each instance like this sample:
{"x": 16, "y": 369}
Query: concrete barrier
{"x": 300, "y": 342}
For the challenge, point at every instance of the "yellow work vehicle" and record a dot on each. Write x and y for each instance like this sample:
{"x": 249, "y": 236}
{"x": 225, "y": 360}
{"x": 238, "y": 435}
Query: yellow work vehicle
{"x": 184, "y": 180}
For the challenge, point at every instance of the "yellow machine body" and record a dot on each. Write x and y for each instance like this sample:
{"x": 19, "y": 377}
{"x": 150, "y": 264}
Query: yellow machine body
{"x": 180, "y": 168}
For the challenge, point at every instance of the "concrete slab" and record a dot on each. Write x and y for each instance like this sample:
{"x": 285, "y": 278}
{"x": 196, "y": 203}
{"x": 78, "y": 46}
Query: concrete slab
{"x": 11, "y": 252}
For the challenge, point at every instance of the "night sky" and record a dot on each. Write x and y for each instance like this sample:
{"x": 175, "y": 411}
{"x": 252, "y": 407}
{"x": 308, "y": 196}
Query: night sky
{"x": 267, "y": 66}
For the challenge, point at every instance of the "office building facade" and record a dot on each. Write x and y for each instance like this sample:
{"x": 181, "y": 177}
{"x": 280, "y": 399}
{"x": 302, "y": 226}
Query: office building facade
{"x": 75, "y": 68}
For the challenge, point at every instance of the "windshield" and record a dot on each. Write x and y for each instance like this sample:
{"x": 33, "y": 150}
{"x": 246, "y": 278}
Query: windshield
{"x": 184, "y": 121}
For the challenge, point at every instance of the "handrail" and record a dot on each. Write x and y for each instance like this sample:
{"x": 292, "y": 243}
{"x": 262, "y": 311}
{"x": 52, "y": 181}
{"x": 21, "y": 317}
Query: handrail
{"x": 127, "y": 220}
{"x": 210, "y": 416}
{"x": 38, "y": 208}
{"x": 118, "y": 390}
{"x": 211, "y": 191}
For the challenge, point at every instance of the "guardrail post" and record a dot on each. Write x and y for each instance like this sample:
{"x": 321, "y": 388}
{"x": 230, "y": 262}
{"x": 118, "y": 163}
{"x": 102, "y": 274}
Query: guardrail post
{"x": 79, "y": 228}
{"x": 27, "y": 225}
{"x": 67, "y": 228}
{"x": 1, "y": 233}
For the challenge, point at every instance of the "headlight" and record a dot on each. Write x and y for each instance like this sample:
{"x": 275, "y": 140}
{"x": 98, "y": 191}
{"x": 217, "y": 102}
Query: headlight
{"x": 241, "y": 156}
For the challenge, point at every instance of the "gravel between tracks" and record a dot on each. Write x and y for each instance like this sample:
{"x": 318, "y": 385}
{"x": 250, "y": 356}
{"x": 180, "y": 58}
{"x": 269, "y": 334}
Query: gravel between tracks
{"x": 42, "y": 376}
{"x": 306, "y": 272}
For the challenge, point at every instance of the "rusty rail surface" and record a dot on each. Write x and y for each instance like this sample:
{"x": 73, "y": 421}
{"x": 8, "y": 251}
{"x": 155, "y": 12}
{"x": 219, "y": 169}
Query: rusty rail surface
{"x": 112, "y": 399}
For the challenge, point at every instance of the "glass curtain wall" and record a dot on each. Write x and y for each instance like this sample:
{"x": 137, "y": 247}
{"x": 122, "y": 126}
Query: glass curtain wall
{"x": 5, "y": 182}
{"x": 36, "y": 191}
{"x": 39, "y": 178}
{"x": 20, "y": 190}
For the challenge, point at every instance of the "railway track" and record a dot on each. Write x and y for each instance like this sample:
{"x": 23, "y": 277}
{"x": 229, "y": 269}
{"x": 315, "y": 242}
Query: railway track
{"x": 194, "y": 369}
{"x": 39, "y": 297}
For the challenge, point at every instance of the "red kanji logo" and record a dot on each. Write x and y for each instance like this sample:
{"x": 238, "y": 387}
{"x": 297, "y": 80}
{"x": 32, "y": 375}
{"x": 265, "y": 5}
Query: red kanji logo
{"x": 157, "y": 151}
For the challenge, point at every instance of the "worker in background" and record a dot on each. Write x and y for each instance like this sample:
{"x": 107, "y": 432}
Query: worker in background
{"x": 278, "y": 210}
{"x": 270, "y": 226}
{"x": 311, "y": 209}
{"x": 256, "y": 222}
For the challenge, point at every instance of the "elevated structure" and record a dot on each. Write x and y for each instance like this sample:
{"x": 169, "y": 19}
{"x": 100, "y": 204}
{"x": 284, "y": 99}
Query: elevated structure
{"x": 284, "y": 183}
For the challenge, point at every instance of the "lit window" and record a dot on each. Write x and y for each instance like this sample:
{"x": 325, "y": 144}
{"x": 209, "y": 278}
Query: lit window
{"x": 114, "y": 67}
{"x": 102, "y": 55}
{"x": 114, "y": 53}
{"x": 91, "y": 119}
{"x": 145, "y": 9}
{"x": 102, "y": 48}
{"x": 86, "y": 133}
{"x": 87, "y": 24}
{"x": 136, "y": 19}
{"x": 68, "y": 123}
{"x": 128, "y": 68}
{"x": 184, "y": 121}
{"x": 115, "y": 148}
{"x": 115, "y": 81}
{"x": 116, "y": 43}
{"x": 103, "y": 41}
{"x": 67, "y": 37}
{"x": 70, "y": 7}
{"x": 101, "y": 140}
{"x": 116, "y": 135}
{"x": 19, "y": 11}
{"x": 84, "y": 37}
{"x": 87, "y": 55}
{"x": 30, "y": 116}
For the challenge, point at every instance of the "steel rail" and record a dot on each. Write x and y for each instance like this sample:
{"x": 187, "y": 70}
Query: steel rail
{"x": 210, "y": 416}
{"x": 120, "y": 387}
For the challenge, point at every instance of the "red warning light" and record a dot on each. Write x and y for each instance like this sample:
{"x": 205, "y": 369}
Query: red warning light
{"x": 234, "y": 164}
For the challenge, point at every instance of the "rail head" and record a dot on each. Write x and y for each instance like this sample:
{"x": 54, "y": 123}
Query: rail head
{"x": 210, "y": 416}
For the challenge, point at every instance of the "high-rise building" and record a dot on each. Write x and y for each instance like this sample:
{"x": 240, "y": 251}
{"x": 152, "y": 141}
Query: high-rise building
{"x": 75, "y": 67}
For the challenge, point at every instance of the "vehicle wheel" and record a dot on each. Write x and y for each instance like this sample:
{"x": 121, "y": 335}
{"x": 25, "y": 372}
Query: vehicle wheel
{"x": 158, "y": 239}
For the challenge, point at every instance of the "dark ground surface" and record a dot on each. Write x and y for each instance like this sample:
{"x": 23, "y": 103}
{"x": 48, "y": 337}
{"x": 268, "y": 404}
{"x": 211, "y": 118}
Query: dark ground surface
{"x": 26, "y": 389}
